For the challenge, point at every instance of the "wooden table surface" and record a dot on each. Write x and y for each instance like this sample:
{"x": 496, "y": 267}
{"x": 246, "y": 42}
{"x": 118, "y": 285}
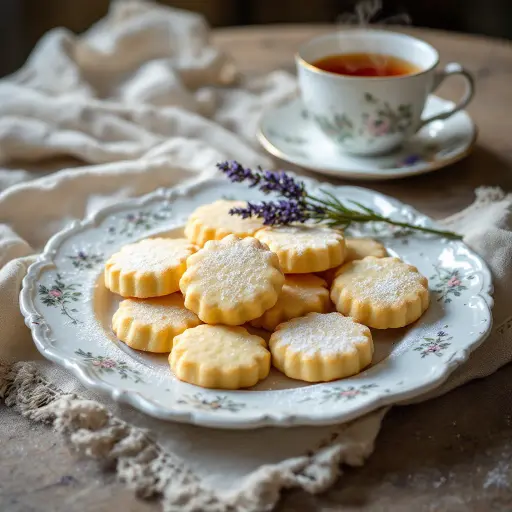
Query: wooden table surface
{"x": 448, "y": 454}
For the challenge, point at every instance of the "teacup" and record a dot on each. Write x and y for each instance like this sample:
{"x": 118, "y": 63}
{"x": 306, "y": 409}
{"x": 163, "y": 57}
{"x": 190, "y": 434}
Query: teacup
{"x": 371, "y": 115}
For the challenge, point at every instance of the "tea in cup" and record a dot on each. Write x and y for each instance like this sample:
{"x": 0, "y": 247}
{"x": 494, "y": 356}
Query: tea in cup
{"x": 366, "y": 89}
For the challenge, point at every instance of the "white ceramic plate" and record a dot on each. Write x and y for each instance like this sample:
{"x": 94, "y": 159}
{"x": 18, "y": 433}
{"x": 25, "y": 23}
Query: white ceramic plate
{"x": 69, "y": 312}
{"x": 287, "y": 132}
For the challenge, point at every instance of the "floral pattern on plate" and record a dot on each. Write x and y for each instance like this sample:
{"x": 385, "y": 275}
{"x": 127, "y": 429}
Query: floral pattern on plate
{"x": 202, "y": 402}
{"x": 434, "y": 346}
{"x": 449, "y": 283}
{"x": 136, "y": 222}
{"x": 337, "y": 394}
{"x": 102, "y": 364}
{"x": 83, "y": 260}
{"x": 57, "y": 295}
{"x": 61, "y": 295}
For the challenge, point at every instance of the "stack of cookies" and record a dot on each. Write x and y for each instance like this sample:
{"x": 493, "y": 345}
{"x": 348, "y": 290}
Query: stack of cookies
{"x": 315, "y": 291}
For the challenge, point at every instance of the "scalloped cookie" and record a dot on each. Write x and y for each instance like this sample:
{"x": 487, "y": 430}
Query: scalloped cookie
{"x": 321, "y": 347}
{"x": 301, "y": 294}
{"x": 149, "y": 268}
{"x": 218, "y": 356}
{"x": 357, "y": 249}
{"x": 213, "y": 222}
{"x": 231, "y": 281}
{"x": 304, "y": 249}
{"x": 380, "y": 292}
{"x": 152, "y": 324}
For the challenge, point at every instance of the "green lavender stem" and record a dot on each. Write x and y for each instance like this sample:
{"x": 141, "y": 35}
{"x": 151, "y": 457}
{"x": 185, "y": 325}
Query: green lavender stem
{"x": 340, "y": 215}
{"x": 377, "y": 218}
{"x": 296, "y": 205}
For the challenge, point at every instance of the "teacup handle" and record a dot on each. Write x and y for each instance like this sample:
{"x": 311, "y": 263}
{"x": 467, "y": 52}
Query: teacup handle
{"x": 453, "y": 68}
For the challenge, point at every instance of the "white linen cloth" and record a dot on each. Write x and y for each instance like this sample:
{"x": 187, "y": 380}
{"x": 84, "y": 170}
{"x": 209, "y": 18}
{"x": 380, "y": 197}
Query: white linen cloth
{"x": 137, "y": 99}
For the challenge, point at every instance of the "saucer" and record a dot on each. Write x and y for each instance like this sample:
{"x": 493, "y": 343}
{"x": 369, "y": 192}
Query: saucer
{"x": 287, "y": 133}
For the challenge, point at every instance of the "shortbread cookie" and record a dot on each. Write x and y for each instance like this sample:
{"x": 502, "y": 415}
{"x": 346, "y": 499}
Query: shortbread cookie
{"x": 329, "y": 275}
{"x": 321, "y": 347}
{"x": 149, "y": 268}
{"x": 380, "y": 292}
{"x": 152, "y": 324}
{"x": 218, "y": 356}
{"x": 214, "y": 222}
{"x": 231, "y": 281}
{"x": 301, "y": 294}
{"x": 304, "y": 249}
{"x": 357, "y": 249}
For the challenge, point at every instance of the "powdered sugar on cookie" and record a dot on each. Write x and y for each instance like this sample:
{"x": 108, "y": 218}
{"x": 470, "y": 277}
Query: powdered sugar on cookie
{"x": 359, "y": 248}
{"x": 153, "y": 255}
{"x": 321, "y": 347}
{"x": 160, "y": 312}
{"x": 380, "y": 292}
{"x": 301, "y": 294}
{"x": 149, "y": 268}
{"x": 231, "y": 281}
{"x": 214, "y": 222}
{"x": 326, "y": 334}
{"x": 304, "y": 249}
{"x": 218, "y": 356}
{"x": 152, "y": 324}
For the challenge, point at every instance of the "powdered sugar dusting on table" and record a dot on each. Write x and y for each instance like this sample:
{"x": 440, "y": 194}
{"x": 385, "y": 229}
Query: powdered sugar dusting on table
{"x": 498, "y": 476}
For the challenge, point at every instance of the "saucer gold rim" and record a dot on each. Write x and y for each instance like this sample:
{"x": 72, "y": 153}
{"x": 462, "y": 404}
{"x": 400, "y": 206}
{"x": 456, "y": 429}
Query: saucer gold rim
{"x": 398, "y": 173}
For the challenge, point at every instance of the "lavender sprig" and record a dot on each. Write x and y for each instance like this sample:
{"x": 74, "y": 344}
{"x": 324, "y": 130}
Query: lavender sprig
{"x": 266, "y": 181}
{"x": 281, "y": 212}
{"x": 298, "y": 206}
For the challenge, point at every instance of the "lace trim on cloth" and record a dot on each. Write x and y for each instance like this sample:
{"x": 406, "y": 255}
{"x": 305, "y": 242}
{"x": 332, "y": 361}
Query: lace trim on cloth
{"x": 145, "y": 467}
{"x": 485, "y": 196}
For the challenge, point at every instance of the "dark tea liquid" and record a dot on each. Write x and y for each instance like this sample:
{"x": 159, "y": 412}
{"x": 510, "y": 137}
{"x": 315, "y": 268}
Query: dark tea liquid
{"x": 366, "y": 64}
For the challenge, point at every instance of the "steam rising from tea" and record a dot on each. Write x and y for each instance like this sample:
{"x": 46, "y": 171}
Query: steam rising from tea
{"x": 366, "y": 12}
{"x": 365, "y": 63}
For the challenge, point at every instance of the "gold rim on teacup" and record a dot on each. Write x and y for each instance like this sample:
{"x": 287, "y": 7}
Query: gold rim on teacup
{"x": 373, "y": 115}
{"x": 299, "y": 58}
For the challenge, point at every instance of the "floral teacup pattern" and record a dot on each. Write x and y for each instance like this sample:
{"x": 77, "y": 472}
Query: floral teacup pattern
{"x": 378, "y": 119}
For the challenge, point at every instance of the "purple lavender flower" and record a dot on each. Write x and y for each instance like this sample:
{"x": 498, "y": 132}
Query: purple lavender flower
{"x": 282, "y": 184}
{"x": 411, "y": 160}
{"x": 297, "y": 206}
{"x": 273, "y": 213}
{"x": 266, "y": 181}
{"x": 237, "y": 173}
